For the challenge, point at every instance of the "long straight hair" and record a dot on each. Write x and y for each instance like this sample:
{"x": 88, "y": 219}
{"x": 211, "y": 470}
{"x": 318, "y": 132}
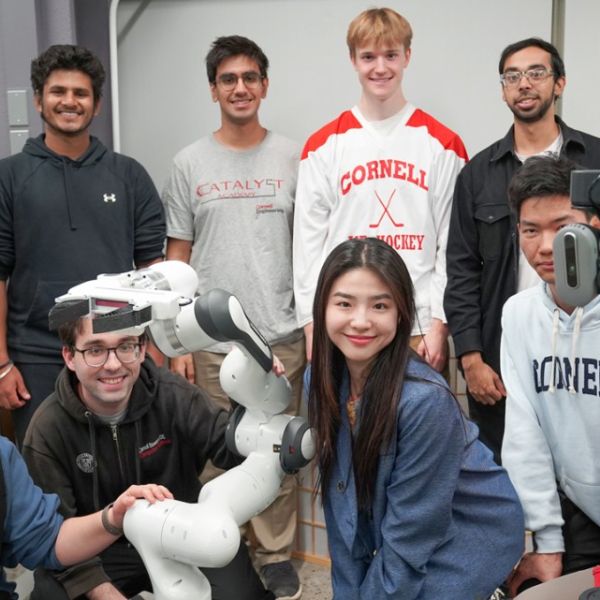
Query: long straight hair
{"x": 383, "y": 386}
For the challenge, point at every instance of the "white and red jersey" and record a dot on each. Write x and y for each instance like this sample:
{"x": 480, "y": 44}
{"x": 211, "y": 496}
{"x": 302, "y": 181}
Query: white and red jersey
{"x": 358, "y": 179}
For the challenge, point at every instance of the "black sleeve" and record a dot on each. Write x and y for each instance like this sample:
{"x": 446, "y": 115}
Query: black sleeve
{"x": 206, "y": 425}
{"x": 150, "y": 228}
{"x": 462, "y": 299}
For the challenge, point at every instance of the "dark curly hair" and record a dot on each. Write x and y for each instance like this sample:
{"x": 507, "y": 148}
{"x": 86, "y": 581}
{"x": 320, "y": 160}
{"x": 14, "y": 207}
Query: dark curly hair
{"x": 69, "y": 58}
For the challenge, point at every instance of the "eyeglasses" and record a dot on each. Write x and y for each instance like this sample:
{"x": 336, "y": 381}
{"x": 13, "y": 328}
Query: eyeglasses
{"x": 512, "y": 78}
{"x": 96, "y": 356}
{"x": 229, "y": 81}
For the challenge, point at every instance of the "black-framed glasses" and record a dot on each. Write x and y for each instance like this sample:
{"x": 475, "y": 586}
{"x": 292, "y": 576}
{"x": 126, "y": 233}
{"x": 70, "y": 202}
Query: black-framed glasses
{"x": 228, "y": 81}
{"x": 535, "y": 75}
{"x": 96, "y": 356}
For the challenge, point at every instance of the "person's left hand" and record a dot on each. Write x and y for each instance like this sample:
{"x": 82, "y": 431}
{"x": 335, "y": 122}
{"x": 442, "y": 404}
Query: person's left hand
{"x": 151, "y": 492}
{"x": 433, "y": 348}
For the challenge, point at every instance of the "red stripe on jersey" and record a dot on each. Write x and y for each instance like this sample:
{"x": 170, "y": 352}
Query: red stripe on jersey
{"x": 342, "y": 124}
{"x": 445, "y": 136}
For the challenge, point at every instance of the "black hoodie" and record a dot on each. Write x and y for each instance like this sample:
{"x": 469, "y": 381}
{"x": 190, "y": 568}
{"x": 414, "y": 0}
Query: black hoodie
{"x": 170, "y": 430}
{"x": 65, "y": 221}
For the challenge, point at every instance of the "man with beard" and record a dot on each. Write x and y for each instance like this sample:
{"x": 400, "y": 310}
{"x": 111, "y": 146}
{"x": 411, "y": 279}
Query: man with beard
{"x": 69, "y": 210}
{"x": 484, "y": 264}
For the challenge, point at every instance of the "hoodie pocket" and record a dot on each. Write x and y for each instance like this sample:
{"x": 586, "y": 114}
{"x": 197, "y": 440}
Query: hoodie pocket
{"x": 44, "y": 299}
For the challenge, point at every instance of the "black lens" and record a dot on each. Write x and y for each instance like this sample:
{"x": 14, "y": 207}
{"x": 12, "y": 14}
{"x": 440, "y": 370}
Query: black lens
{"x": 571, "y": 259}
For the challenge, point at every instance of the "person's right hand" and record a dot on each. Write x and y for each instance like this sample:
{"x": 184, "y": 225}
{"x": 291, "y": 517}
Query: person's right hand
{"x": 149, "y": 491}
{"x": 543, "y": 567}
{"x": 13, "y": 392}
{"x": 483, "y": 382}
{"x": 184, "y": 366}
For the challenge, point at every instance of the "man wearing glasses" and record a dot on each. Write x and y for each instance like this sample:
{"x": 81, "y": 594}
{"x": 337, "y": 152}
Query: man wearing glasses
{"x": 229, "y": 203}
{"x": 484, "y": 264}
{"x": 115, "y": 419}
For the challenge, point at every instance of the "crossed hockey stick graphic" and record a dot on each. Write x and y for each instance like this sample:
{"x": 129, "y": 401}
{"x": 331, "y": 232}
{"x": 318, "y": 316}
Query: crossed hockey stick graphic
{"x": 386, "y": 211}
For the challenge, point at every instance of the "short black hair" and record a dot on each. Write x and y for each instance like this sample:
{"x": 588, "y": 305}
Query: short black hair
{"x": 558, "y": 66}
{"x": 69, "y": 58}
{"x": 540, "y": 176}
{"x": 234, "y": 45}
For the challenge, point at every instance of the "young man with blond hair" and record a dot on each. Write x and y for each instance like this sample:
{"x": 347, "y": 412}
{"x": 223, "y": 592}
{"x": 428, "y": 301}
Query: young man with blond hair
{"x": 383, "y": 169}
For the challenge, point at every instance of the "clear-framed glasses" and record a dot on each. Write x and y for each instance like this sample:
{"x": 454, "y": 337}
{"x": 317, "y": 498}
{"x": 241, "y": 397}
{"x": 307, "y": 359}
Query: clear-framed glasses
{"x": 96, "y": 356}
{"x": 535, "y": 75}
{"x": 228, "y": 81}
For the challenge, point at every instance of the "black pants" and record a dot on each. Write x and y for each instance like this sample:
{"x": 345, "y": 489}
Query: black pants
{"x": 236, "y": 581}
{"x": 490, "y": 420}
{"x": 39, "y": 380}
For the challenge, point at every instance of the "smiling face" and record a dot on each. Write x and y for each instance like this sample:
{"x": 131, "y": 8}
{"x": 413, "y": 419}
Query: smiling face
{"x": 361, "y": 318}
{"x": 239, "y": 105}
{"x": 530, "y": 102}
{"x": 67, "y": 103}
{"x": 380, "y": 69}
{"x": 104, "y": 390}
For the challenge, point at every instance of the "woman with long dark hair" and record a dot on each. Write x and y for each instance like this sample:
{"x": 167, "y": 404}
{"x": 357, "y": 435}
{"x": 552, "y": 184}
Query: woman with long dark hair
{"x": 415, "y": 507}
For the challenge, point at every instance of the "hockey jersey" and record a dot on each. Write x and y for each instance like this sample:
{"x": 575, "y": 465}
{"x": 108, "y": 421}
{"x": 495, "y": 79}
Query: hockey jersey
{"x": 358, "y": 179}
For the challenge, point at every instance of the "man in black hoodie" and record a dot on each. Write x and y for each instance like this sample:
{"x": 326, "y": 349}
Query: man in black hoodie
{"x": 69, "y": 210}
{"x": 115, "y": 419}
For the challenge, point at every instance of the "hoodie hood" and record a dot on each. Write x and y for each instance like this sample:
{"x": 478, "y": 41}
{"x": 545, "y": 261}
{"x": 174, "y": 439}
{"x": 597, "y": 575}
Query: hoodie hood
{"x": 37, "y": 147}
{"x": 96, "y": 150}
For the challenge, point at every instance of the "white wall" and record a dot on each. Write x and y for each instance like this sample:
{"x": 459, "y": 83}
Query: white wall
{"x": 164, "y": 97}
{"x": 581, "y": 101}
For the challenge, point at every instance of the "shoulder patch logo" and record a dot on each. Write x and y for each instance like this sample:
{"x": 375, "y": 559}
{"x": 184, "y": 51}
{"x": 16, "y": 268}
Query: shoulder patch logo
{"x": 110, "y": 198}
{"x": 86, "y": 462}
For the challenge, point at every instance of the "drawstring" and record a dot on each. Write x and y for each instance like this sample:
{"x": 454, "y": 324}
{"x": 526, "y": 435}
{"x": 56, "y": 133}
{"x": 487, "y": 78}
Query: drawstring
{"x": 574, "y": 340}
{"x": 138, "y": 466}
{"x": 92, "y": 431}
{"x": 555, "y": 322}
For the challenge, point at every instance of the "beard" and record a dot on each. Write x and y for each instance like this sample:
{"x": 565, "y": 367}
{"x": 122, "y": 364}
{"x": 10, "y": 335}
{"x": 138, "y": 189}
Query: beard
{"x": 49, "y": 118}
{"x": 532, "y": 116}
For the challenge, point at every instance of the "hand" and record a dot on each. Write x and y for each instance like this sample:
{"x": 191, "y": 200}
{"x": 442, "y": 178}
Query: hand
{"x": 483, "y": 382}
{"x": 278, "y": 366}
{"x": 433, "y": 348}
{"x": 157, "y": 356}
{"x": 535, "y": 566}
{"x": 151, "y": 492}
{"x": 105, "y": 591}
{"x": 13, "y": 393}
{"x": 184, "y": 366}
{"x": 308, "y": 336}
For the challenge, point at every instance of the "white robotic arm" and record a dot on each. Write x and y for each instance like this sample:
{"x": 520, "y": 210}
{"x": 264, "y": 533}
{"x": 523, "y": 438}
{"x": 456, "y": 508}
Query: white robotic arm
{"x": 175, "y": 538}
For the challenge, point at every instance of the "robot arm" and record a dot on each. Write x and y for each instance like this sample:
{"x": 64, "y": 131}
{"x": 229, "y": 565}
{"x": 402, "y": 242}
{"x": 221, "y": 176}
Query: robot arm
{"x": 175, "y": 538}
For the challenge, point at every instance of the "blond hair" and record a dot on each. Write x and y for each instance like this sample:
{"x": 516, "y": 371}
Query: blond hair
{"x": 380, "y": 26}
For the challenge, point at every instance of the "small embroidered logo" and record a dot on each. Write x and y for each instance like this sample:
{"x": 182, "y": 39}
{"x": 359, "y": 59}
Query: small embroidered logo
{"x": 110, "y": 198}
{"x": 86, "y": 462}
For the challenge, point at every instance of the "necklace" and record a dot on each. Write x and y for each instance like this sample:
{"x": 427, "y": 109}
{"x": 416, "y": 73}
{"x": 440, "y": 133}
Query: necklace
{"x": 351, "y": 406}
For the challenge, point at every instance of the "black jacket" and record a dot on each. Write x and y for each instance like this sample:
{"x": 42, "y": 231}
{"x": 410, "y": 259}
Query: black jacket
{"x": 482, "y": 252}
{"x": 64, "y": 221}
{"x": 170, "y": 430}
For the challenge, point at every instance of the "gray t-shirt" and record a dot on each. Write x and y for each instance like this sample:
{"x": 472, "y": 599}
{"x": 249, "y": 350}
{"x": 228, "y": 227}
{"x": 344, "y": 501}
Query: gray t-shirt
{"x": 237, "y": 209}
